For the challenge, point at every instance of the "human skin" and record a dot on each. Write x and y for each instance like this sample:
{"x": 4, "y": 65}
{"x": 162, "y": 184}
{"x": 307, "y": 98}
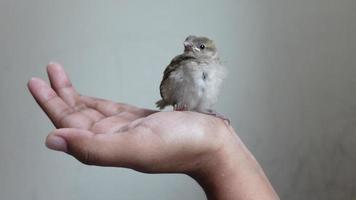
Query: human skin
{"x": 104, "y": 133}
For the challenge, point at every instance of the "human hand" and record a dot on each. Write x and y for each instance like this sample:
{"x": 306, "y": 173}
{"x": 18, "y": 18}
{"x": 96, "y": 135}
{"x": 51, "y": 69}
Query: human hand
{"x": 104, "y": 133}
{"x": 101, "y": 132}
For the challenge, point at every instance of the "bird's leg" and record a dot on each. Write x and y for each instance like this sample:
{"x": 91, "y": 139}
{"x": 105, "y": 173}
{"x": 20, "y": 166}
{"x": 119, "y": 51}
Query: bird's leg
{"x": 180, "y": 107}
{"x": 216, "y": 114}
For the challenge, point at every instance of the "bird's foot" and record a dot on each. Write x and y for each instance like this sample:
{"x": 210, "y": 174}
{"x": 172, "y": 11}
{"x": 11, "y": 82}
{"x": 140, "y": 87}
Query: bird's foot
{"x": 180, "y": 107}
{"x": 216, "y": 114}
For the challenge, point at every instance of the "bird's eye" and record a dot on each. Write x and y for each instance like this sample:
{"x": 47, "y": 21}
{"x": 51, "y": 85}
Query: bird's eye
{"x": 202, "y": 46}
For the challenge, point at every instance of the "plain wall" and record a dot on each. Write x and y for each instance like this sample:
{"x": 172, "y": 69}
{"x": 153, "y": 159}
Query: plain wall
{"x": 290, "y": 93}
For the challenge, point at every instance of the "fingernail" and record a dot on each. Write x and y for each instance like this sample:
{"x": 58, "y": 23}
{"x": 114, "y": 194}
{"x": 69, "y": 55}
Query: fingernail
{"x": 34, "y": 79}
{"x": 56, "y": 143}
{"x": 52, "y": 63}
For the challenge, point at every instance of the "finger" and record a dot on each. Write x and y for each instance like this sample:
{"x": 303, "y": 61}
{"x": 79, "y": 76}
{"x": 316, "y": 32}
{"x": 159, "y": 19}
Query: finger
{"x": 55, "y": 108}
{"x": 61, "y": 84}
{"x": 109, "y": 125}
{"x": 109, "y": 108}
{"x": 90, "y": 148}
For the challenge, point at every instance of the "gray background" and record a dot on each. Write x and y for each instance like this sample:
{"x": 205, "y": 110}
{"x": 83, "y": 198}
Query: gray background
{"x": 290, "y": 93}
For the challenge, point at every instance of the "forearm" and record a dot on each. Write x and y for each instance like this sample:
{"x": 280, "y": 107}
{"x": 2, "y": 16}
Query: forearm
{"x": 233, "y": 174}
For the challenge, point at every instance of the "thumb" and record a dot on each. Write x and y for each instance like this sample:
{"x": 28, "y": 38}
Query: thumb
{"x": 87, "y": 147}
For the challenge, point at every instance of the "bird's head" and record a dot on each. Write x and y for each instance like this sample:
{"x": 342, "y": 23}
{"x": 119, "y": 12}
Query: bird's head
{"x": 200, "y": 47}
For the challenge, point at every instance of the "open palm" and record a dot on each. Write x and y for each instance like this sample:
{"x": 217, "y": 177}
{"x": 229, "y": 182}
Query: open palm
{"x": 102, "y": 132}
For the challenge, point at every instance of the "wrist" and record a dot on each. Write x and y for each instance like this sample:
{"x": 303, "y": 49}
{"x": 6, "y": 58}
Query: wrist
{"x": 232, "y": 172}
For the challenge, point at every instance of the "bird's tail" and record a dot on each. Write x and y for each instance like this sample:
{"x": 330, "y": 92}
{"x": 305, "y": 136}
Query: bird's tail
{"x": 161, "y": 104}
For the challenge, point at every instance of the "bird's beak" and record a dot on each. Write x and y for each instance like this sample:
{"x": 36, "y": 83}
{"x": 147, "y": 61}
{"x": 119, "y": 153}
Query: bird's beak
{"x": 188, "y": 44}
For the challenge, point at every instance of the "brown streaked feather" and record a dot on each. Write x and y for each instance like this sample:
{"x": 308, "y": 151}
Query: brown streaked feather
{"x": 173, "y": 65}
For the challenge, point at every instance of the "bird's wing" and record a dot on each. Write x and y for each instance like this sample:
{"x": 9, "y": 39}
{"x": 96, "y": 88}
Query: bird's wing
{"x": 173, "y": 65}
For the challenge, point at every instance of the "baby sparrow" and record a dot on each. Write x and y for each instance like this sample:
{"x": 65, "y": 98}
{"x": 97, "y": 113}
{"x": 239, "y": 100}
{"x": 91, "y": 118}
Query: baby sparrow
{"x": 192, "y": 80}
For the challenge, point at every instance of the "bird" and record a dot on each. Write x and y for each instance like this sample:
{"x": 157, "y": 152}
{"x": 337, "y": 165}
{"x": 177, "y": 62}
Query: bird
{"x": 192, "y": 80}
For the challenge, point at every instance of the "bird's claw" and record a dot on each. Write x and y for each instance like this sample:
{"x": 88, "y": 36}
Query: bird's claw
{"x": 216, "y": 114}
{"x": 181, "y": 107}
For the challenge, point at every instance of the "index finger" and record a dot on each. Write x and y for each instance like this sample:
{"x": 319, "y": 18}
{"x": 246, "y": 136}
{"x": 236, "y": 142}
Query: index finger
{"x": 55, "y": 108}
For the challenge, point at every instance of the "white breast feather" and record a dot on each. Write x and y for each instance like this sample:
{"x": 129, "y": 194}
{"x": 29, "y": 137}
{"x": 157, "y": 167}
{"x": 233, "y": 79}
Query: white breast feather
{"x": 190, "y": 88}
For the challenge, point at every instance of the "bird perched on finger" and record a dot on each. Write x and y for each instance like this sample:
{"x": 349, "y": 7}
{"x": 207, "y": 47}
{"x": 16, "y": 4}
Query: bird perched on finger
{"x": 192, "y": 80}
